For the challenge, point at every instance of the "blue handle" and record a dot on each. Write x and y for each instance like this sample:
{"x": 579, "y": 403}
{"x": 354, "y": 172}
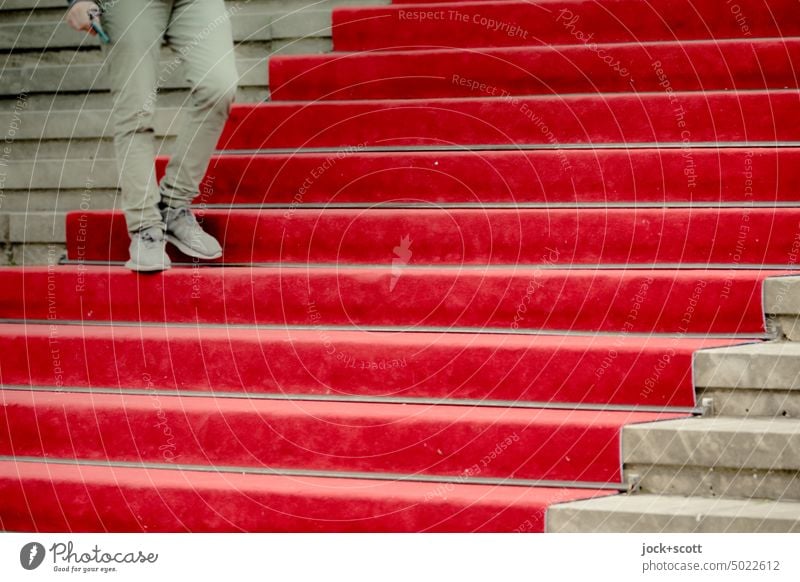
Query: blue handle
{"x": 94, "y": 18}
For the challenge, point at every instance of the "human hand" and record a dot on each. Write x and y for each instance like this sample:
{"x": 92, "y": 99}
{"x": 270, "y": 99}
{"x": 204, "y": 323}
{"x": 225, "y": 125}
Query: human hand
{"x": 79, "y": 16}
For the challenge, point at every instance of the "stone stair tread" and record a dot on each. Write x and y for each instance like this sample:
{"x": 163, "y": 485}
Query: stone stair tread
{"x": 250, "y": 24}
{"x": 91, "y": 77}
{"x": 725, "y": 425}
{"x": 9, "y": 5}
{"x": 665, "y": 513}
{"x": 768, "y": 444}
{"x": 757, "y": 366}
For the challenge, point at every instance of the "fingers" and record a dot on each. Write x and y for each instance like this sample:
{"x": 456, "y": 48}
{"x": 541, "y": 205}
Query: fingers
{"x": 78, "y": 17}
{"x": 81, "y": 26}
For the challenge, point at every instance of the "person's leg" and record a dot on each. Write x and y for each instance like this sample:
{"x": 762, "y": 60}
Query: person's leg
{"x": 200, "y": 31}
{"x": 136, "y": 30}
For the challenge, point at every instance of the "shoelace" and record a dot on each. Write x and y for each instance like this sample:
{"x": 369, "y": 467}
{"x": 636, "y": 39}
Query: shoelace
{"x": 185, "y": 214}
{"x": 148, "y": 239}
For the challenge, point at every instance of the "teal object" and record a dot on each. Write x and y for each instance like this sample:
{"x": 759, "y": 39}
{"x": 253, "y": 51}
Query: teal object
{"x": 94, "y": 17}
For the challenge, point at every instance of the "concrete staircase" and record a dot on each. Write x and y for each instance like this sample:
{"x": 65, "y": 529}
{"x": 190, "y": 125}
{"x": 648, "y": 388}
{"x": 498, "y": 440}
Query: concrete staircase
{"x": 54, "y": 109}
{"x": 737, "y": 467}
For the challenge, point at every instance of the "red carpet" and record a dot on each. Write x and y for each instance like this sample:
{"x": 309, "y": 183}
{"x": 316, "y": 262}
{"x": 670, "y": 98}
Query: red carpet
{"x": 491, "y": 24}
{"x": 74, "y": 498}
{"x": 552, "y": 299}
{"x": 460, "y": 255}
{"x": 620, "y": 175}
{"x": 715, "y": 116}
{"x": 547, "y": 70}
{"x": 554, "y": 369}
{"x": 323, "y": 436}
{"x": 476, "y": 237}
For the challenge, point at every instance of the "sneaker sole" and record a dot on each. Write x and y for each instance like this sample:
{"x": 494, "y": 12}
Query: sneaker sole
{"x": 189, "y": 251}
{"x": 145, "y": 268}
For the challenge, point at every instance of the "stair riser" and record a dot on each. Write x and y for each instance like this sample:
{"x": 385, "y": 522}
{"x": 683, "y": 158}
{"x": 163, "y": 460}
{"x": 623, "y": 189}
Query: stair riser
{"x": 722, "y": 443}
{"x": 511, "y": 237}
{"x": 321, "y": 436}
{"x": 596, "y": 176}
{"x": 568, "y": 22}
{"x": 743, "y": 65}
{"x": 787, "y": 326}
{"x": 620, "y": 370}
{"x": 650, "y": 118}
{"x": 783, "y": 307}
{"x": 717, "y": 482}
{"x": 752, "y": 380}
{"x": 620, "y": 302}
{"x": 744, "y": 402}
{"x": 716, "y": 458}
{"x": 91, "y": 499}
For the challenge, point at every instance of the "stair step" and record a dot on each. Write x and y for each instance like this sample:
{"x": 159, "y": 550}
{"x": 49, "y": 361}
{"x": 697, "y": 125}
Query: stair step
{"x": 605, "y": 176}
{"x": 674, "y": 117}
{"x": 744, "y": 176}
{"x": 554, "y": 445}
{"x": 711, "y": 457}
{"x": 34, "y": 6}
{"x": 626, "y": 370}
{"x": 620, "y": 121}
{"x": 75, "y": 498}
{"x": 48, "y": 78}
{"x": 760, "y": 379}
{"x": 30, "y": 5}
{"x": 494, "y": 24}
{"x": 503, "y": 299}
{"x": 685, "y": 66}
{"x": 782, "y": 306}
{"x": 250, "y": 22}
{"x": 664, "y": 514}
{"x": 413, "y": 237}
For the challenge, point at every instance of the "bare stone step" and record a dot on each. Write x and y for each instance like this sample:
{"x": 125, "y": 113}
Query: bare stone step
{"x": 30, "y": 4}
{"x": 718, "y": 456}
{"x": 36, "y": 227}
{"x": 93, "y": 198}
{"x": 57, "y": 102}
{"x": 81, "y": 123}
{"x": 756, "y": 379}
{"x": 42, "y": 27}
{"x": 62, "y": 122}
{"x": 4, "y": 219}
{"x": 60, "y": 174}
{"x": 664, "y": 513}
{"x": 15, "y": 11}
{"x": 249, "y": 22}
{"x": 93, "y": 77}
{"x": 33, "y": 254}
{"x": 782, "y": 305}
{"x": 45, "y": 57}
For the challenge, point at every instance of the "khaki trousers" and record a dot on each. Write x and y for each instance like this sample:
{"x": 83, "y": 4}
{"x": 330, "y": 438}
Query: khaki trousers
{"x": 199, "y": 31}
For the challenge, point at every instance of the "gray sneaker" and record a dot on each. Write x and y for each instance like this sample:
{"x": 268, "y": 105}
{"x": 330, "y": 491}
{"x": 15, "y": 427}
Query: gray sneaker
{"x": 185, "y": 233}
{"x": 147, "y": 251}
